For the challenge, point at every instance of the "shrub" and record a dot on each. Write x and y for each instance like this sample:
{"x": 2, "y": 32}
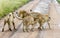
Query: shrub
{"x": 58, "y": 1}
{"x": 7, "y": 6}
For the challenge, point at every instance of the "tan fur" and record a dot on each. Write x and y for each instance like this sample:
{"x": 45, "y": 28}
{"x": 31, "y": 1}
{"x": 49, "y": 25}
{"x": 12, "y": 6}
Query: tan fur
{"x": 40, "y": 18}
{"x": 32, "y": 18}
{"x": 10, "y": 20}
{"x": 28, "y": 20}
{"x": 23, "y": 14}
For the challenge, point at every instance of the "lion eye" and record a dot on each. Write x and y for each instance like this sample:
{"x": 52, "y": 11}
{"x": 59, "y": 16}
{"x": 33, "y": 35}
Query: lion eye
{"x": 9, "y": 15}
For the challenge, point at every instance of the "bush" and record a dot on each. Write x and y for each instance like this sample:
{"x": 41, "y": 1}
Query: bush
{"x": 58, "y": 1}
{"x": 7, "y": 6}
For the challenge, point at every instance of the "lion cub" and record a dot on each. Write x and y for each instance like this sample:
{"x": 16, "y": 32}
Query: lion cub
{"x": 9, "y": 20}
{"x": 41, "y": 19}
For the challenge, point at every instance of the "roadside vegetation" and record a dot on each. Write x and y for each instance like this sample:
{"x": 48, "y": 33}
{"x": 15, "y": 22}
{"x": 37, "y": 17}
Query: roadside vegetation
{"x": 58, "y": 1}
{"x": 7, "y": 6}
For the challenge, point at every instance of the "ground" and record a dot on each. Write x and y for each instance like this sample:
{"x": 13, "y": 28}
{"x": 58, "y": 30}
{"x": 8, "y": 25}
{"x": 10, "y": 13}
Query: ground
{"x": 54, "y": 32}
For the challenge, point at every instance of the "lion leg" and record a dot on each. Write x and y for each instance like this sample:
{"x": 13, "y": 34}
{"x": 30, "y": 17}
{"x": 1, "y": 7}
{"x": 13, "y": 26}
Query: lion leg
{"x": 14, "y": 25}
{"x": 9, "y": 26}
{"x": 27, "y": 29}
{"x": 4, "y": 26}
{"x": 43, "y": 27}
{"x": 49, "y": 25}
{"x": 40, "y": 27}
{"x": 24, "y": 27}
{"x": 32, "y": 29}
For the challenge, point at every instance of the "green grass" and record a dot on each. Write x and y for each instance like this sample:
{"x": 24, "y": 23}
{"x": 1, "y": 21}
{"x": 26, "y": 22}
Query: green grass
{"x": 58, "y": 1}
{"x": 7, "y": 6}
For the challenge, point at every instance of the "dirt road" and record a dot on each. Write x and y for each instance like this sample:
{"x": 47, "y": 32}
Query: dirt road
{"x": 54, "y": 23}
{"x": 19, "y": 33}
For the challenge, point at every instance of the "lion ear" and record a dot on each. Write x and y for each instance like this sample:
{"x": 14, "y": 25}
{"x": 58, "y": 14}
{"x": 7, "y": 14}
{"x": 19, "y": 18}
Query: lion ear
{"x": 10, "y": 14}
{"x": 46, "y": 15}
{"x": 22, "y": 11}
